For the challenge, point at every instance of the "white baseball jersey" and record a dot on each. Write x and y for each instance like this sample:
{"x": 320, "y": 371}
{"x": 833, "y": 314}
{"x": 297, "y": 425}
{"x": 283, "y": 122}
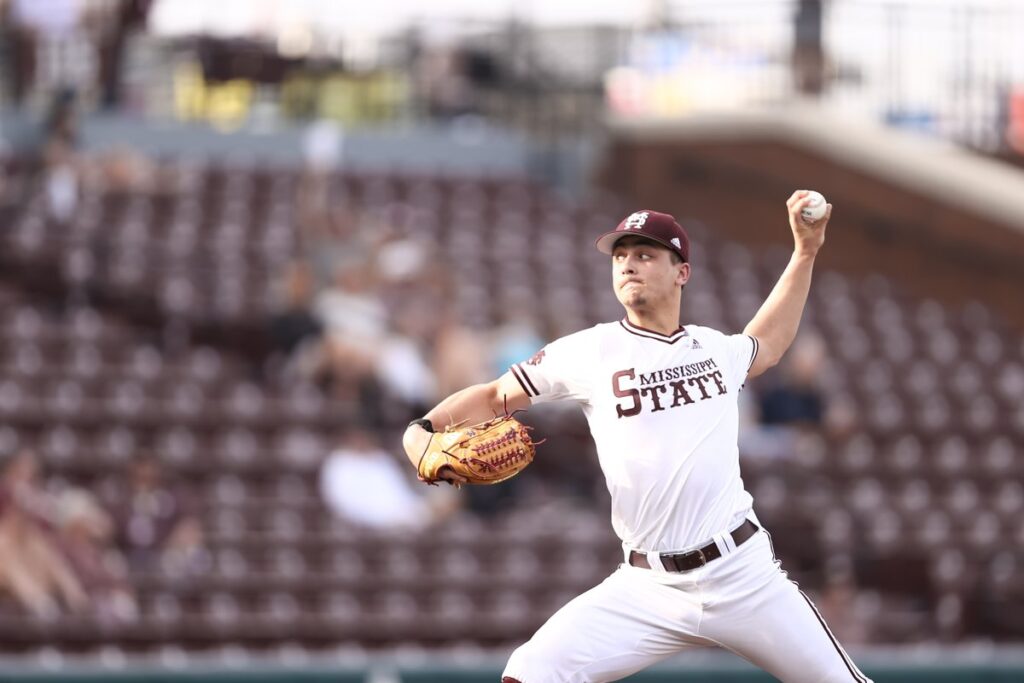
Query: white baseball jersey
{"x": 663, "y": 412}
{"x": 664, "y": 415}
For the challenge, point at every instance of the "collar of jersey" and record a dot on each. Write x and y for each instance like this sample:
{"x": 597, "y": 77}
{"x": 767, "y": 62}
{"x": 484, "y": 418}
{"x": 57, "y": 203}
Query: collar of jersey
{"x": 651, "y": 334}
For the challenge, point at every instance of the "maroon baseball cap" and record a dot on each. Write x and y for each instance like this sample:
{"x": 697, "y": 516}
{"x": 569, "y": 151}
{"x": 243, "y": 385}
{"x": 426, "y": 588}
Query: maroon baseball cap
{"x": 657, "y": 227}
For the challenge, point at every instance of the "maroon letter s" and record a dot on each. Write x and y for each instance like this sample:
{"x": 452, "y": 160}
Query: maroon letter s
{"x": 626, "y": 393}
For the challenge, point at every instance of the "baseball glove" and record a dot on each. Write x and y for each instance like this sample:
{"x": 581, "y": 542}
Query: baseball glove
{"x": 485, "y": 453}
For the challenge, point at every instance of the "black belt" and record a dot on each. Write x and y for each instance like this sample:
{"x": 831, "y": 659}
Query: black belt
{"x": 692, "y": 559}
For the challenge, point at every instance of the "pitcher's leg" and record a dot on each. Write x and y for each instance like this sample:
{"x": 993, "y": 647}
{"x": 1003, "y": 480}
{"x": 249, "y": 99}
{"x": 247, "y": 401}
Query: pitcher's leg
{"x": 764, "y": 617}
{"x": 615, "y": 629}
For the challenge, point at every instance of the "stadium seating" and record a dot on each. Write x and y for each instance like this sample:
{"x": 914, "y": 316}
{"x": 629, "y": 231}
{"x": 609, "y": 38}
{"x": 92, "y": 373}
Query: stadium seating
{"x": 923, "y": 494}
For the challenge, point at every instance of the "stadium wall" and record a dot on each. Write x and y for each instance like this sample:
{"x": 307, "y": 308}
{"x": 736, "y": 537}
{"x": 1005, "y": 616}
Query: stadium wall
{"x": 472, "y": 147}
{"x": 881, "y": 674}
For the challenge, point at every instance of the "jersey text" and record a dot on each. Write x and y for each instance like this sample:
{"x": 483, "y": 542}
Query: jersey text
{"x": 671, "y": 388}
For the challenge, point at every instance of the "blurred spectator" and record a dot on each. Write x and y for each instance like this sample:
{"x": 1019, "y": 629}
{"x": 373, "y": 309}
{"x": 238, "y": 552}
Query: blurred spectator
{"x": 797, "y": 399}
{"x": 442, "y": 83}
{"x": 1015, "y": 119}
{"x": 355, "y": 323}
{"x": 86, "y": 535}
{"x": 840, "y": 606}
{"x": 364, "y": 484}
{"x": 375, "y": 314}
{"x": 51, "y": 51}
{"x": 33, "y": 570}
{"x": 125, "y": 170}
{"x": 154, "y": 524}
{"x": 322, "y": 146}
{"x": 403, "y": 265}
{"x": 401, "y": 366}
{"x": 328, "y": 229}
{"x": 114, "y": 26}
{"x": 514, "y": 339}
{"x": 351, "y": 310}
{"x": 460, "y": 354}
{"x": 790, "y": 405}
{"x": 841, "y": 418}
{"x": 409, "y": 288}
{"x": 295, "y": 333}
{"x": 808, "y": 48}
{"x": 60, "y": 158}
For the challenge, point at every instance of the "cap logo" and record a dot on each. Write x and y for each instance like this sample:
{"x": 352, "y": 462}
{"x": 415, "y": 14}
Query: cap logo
{"x": 636, "y": 220}
{"x": 675, "y": 243}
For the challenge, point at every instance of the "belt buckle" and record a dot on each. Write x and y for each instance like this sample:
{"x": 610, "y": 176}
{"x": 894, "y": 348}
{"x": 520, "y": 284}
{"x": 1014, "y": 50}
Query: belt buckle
{"x": 679, "y": 558}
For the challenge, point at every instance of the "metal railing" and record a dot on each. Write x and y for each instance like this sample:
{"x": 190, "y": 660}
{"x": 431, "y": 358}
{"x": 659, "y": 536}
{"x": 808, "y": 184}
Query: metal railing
{"x": 949, "y": 69}
{"x": 953, "y": 70}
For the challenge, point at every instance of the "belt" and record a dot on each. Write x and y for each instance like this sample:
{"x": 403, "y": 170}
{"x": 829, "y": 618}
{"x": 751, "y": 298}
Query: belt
{"x": 693, "y": 559}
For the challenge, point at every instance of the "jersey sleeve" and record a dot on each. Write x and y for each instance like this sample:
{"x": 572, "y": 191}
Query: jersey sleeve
{"x": 739, "y": 352}
{"x": 742, "y": 350}
{"x": 556, "y": 372}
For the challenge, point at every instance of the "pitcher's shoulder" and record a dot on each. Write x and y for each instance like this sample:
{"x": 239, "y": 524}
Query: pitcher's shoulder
{"x": 702, "y": 332}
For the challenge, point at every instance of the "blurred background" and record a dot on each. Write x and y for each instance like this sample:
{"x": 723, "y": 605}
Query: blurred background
{"x": 244, "y": 242}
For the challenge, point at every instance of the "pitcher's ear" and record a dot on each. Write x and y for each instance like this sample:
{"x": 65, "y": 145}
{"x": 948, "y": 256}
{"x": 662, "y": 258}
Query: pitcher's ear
{"x": 683, "y": 275}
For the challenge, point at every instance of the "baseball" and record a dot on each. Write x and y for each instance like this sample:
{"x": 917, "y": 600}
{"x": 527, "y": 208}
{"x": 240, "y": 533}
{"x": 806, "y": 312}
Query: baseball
{"x": 815, "y": 208}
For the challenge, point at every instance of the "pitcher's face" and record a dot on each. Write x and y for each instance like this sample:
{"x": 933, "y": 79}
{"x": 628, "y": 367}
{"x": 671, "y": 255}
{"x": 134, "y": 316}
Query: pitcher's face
{"x": 644, "y": 275}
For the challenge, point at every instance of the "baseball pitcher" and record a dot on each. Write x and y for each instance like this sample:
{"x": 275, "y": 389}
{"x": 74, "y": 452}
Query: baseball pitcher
{"x": 661, "y": 399}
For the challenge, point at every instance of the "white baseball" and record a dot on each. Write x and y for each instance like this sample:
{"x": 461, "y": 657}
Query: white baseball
{"x": 815, "y": 207}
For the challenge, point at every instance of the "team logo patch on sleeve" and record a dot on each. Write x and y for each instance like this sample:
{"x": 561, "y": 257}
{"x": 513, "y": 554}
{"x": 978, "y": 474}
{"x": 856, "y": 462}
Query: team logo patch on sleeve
{"x": 536, "y": 358}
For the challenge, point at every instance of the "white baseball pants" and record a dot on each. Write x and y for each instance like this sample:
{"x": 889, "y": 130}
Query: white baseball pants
{"x": 742, "y": 602}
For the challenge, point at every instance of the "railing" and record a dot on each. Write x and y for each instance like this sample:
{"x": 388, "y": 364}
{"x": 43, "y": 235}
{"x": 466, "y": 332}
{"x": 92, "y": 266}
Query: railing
{"x": 953, "y": 70}
{"x": 949, "y": 69}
